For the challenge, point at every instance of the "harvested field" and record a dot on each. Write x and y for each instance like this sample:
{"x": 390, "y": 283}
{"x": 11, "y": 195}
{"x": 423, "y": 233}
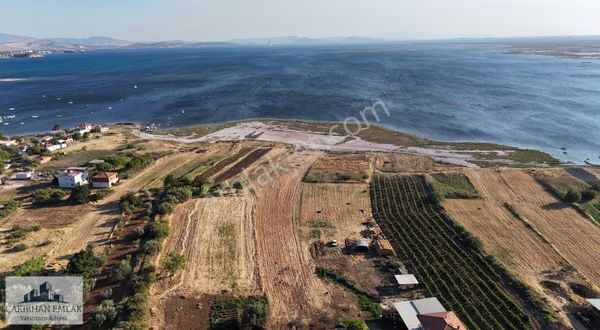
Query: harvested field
{"x": 397, "y": 162}
{"x": 583, "y": 174}
{"x": 335, "y": 210}
{"x": 346, "y": 168}
{"x": 243, "y": 164}
{"x": 286, "y": 268}
{"x": 225, "y": 162}
{"x": 573, "y": 236}
{"x": 558, "y": 181}
{"x": 216, "y": 236}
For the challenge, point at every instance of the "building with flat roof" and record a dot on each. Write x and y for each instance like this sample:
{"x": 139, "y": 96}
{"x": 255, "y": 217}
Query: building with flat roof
{"x": 408, "y": 311}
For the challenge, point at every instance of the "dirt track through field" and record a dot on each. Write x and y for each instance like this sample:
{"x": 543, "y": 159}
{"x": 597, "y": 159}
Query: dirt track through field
{"x": 286, "y": 268}
{"x": 572, "y": 235}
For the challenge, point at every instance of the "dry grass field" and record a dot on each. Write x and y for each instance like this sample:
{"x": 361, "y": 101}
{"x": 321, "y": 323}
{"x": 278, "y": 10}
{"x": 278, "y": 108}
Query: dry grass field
{"x": 340, "y": 168}
{"x": 334, "y": 211}
{"x": 396, "y": 163}
{"x": 216, "y": 236}
{"x": 535, "y": 236}
{"x": 287, "y": 270}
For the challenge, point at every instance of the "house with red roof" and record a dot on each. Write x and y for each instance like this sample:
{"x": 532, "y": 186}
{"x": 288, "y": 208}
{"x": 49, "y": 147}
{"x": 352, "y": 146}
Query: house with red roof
{"x": 105, "y": 179}
{"x": 440, "y": 321}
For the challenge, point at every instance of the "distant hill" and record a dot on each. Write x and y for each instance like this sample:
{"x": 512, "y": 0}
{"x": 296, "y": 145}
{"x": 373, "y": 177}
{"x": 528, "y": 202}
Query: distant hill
{"x": 295, "y": 40}
{"x": 4, "y": 38}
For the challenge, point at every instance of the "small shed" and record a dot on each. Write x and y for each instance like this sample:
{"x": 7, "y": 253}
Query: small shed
{"x": 384, "y": 248}
{"x": 360, "y": 245}
{"x": 23, "y": 175}
{"x": 406, "y": 281}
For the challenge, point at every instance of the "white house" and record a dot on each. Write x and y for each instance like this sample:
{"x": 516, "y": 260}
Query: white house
{"x": 54, "y": 147}
{"x": 73, "y": 177}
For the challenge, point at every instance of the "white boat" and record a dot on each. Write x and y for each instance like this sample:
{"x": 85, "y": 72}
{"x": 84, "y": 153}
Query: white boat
{"x": 135, "y": 86}
{"x": 59, "y": 98}
{"x": 22, "y": 123}
{"x": 11, "y": 109}
{"x": 109, "y": 108}
{"x": 44, "y": 96}
{"x": 70, "y": 102}
{"x": 182, "y": 111}
{"x": 34, "y": 116}
{"x": 5, "y": 124}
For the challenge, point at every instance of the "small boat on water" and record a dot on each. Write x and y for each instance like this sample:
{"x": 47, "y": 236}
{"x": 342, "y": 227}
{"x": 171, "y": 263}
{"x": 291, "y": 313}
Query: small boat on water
{"x": 22, "y": 123}
{"x": 182, "y": 111}
{"x": 6, "y": 124}
{"x": 59, "y": 98}
{"x": 11, "y": 109}
{"x": 135, "y": 86}
{"x": 34, "y": 116}
{"x": 70, "y": 102}
{"x": 44, "y": 96}
{"x": 109, "y": 108}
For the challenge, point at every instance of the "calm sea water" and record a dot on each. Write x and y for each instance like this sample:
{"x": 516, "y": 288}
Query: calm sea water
{"x": 445, "y": 92}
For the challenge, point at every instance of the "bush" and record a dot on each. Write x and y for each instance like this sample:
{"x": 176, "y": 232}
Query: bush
{"x": 180, "y": 194}
{"x": 80, "y": 195}
{"x": 173, "y": 263}
{"x": 353, "y": 324}
{"x": 32, "y": 267}
{"x": 10, "y": 206}
{"x": 588, "y": 195}
{"x": 157, "y": 229}
{"x": 20, "y": 247}
{"x": 105, "y": 314}
{"x": 572, "y": 196}
{"x": 48, "y": 196}
{"x": 256, "y": 315}
{"x": 102, "y": 193}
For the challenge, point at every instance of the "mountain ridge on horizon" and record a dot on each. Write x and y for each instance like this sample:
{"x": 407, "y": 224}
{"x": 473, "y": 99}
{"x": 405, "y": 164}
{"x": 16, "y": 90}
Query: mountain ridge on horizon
{"x": 12, "y": 42}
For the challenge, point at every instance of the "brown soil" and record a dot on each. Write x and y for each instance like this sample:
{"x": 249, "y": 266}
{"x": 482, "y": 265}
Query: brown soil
{"x": 346, "y": 168}
{"x": 243, "y": 164}
{"x": 216, "y": 236}
{"x": 396, "y": 163}
{"x": 336, "y": 210}
{"x": 286, "y": 268}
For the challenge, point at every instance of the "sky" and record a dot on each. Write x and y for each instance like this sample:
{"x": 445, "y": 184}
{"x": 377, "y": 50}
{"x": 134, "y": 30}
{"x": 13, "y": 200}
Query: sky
{"x": 222, "y": 20}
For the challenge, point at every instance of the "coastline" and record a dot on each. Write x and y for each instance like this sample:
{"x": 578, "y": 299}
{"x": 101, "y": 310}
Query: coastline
{"x": 330, "y": 136}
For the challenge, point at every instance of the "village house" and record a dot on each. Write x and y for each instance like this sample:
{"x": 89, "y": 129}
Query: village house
{"x": 73, "y": 177}
{"x": 21, "y": 147}
{"x": 105, "y": 179}
{"x": 53, "y": 147}
{"x": 100, "y": 129}
{"x": 84, "y": 128}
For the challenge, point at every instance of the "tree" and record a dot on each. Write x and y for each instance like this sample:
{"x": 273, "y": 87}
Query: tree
{"x": 173, "y": 263}
{"x": 85, "y": 263}
{"x": 105, "y": 314}
{"x": 80, "y": 195}
{"x": 157, "y": 229}
{"x": 572, "y": 196}
{"x": 56, "y": 126}
{"x": 588, "y": 195}
{"x": 122, "y": 270}
{"x": 152, "y": 247}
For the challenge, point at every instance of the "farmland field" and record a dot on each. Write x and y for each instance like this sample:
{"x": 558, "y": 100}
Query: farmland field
{"x": 238, "y": 167}
{"x": 334, "y": 210}
{"x": 438, "y": 254}
{"x": 340, "y": 168}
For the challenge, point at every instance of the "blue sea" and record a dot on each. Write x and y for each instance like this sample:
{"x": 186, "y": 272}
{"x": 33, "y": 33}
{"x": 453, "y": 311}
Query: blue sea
{"x": 448, "y": 92}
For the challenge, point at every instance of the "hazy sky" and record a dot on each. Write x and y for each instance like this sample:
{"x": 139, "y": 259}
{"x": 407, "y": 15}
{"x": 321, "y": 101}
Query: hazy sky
{"x": 200, "y": 20}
